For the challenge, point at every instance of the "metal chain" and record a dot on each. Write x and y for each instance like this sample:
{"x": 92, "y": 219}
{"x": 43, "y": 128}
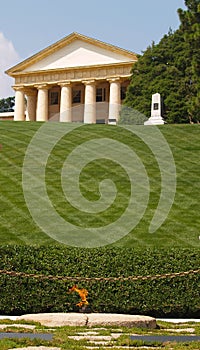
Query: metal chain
{"x": 109, "y": 279}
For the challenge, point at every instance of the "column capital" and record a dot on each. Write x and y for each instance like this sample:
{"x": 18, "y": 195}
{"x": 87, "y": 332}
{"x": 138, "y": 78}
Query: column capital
{"x": 114, "y": 80}
{"x": 89, "y": 82}
{"x": 42, "y": 87}
{"x": 65, "y": 83}
{"x": 18, "y": 88}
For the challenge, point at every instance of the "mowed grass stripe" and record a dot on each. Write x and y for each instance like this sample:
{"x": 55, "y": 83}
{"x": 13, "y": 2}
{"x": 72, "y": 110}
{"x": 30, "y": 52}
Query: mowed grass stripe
{"x": 181, "y": 227}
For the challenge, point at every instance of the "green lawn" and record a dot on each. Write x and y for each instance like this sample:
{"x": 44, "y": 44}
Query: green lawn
{"x": 181, "y": 227}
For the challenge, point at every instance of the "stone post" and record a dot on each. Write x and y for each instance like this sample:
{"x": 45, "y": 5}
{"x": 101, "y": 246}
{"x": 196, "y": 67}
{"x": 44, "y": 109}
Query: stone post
{"x": 66, "y": 102}
{"x": 90, "y": 102}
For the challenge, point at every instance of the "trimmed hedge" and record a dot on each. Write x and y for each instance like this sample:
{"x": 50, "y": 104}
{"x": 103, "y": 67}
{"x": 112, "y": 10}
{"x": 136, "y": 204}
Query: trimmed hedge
{"x": 177, "y": 297}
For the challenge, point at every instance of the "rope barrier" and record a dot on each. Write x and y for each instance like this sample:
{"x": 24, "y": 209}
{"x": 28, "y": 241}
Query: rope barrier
{"x": 109, "y": 279}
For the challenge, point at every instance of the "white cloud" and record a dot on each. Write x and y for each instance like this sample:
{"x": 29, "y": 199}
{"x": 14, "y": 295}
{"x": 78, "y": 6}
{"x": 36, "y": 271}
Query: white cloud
{"x": 8, "y": 58}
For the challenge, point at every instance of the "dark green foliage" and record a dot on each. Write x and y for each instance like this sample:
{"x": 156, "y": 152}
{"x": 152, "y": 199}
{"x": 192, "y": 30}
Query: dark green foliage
{"x": 7, "y": 104}
{"x": 190, "y": 25}
{"x": 161, "y": 69}
{"x": 165, "y": 297}
{"x": 172, "y": 68}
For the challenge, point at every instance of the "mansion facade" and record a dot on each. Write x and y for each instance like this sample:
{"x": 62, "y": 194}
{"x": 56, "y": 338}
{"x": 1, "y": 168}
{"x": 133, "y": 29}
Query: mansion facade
{"x": 77, "y": 79}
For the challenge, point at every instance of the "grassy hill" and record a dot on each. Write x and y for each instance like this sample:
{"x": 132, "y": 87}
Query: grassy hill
{"x": 181, "y": 227}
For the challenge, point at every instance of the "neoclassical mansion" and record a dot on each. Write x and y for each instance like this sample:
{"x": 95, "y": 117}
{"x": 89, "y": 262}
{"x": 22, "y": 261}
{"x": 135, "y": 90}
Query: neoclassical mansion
{"x": 77, "y": 79}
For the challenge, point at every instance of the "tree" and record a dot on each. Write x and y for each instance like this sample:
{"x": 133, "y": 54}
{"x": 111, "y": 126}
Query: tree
{"x": 167, "y": 68}
{"x": 7, "y": 104}
{"x": 190, "y": 25}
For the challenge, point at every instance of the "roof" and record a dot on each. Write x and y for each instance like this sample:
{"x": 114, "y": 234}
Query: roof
{"x": 64, "y": 42}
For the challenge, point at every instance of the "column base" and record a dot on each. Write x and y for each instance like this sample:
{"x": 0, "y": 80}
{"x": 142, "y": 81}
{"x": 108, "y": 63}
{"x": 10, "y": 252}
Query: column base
{"x": 155, "y": 121}
{"x": 112, "y": 121}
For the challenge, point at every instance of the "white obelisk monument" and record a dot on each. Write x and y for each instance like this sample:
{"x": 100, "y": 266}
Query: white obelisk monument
{"x": 156, "y": 117}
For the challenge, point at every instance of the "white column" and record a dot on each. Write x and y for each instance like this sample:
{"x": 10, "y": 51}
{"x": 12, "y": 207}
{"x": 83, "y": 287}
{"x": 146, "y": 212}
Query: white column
{"x": 31, "y": 105}
{"x": 42, "y": 104}
{"x": 115, "y": 100}
{"x": 66, "y": 103}
{"x": 90, "y": 102}
{"x": 19, "y": 114}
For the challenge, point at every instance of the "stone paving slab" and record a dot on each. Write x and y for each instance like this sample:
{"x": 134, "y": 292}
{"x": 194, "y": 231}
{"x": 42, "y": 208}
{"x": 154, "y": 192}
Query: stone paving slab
{"x": 179, "y": 330}
{"x": 88, "y": 333}
{"x": 91, "y": 337}
{"x": 114, "y": 347}
{"x": 96, "y": 339}
{"x": 90, "y": 320}
{"x": 166, "y": 338}
{"x": 179, "y": 320}
{"x": 25, "y": 326}
{"x": 13, "y": 318}
{"x": 36, "y": 348}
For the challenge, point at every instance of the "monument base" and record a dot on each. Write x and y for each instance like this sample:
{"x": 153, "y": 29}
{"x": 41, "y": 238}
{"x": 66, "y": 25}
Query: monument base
{"x": 90, "y": 320}
{"x": 155, "y": 121}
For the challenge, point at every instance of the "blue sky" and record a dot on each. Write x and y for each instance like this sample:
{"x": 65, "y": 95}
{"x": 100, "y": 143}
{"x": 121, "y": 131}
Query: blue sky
{"x": 27, "y": 26}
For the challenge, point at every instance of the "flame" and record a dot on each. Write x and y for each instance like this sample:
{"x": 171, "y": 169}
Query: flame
{"x": 83, "y": 293}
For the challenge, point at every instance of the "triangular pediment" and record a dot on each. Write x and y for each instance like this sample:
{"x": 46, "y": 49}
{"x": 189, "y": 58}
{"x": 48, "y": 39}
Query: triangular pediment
{"x": 75, "y": 50}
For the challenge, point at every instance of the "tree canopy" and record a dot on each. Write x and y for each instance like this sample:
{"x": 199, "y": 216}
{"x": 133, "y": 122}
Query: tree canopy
{"x": 172, "y": 68}
{"x": 7, "y": 104}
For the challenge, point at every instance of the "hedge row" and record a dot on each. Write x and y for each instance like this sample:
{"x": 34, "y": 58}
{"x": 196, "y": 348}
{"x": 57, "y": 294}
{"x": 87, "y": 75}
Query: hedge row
{"x": 177, "y": 297}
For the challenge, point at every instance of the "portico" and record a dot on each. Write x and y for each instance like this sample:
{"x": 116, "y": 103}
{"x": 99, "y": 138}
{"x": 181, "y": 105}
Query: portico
{"x": 78, "y": 79}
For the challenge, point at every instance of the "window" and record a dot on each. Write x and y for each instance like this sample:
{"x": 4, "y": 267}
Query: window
{"x": 54, "y": 98}
{"x": 123, "y": 92}
{"x": 100, "y": 94}
{"x": 76, "y": 96}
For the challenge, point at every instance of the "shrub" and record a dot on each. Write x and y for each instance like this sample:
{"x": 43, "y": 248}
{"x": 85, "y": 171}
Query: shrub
{"x": 175, "y": 297}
